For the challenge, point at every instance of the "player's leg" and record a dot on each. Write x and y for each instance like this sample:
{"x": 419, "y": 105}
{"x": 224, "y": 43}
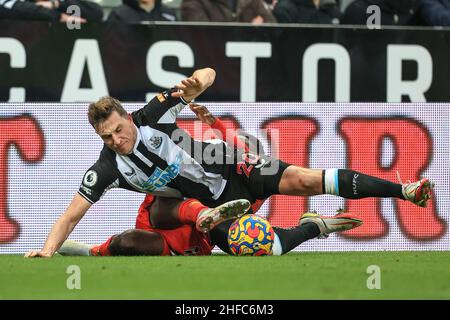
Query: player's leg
{"x": 147, "y": 240}
{"x": 288, "y": 239}
{"x": 167, "y": 213}
{"x": 219, "y": 236}
{"x": 293, "y": 180}
{"x": 311, "y": 226}
{"x": 350, "y": 184}
{"x": 285, "y": 239}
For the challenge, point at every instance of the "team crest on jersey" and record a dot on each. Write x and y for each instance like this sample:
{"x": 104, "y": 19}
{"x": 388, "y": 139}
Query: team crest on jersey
{"x": 155, "y": 142}
{"x": 90, "y": 178}
{"x": 130, "y": 173}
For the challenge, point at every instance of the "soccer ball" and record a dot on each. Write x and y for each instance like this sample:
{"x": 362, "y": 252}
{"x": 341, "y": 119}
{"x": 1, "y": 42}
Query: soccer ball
{"x": 251, "y": 235}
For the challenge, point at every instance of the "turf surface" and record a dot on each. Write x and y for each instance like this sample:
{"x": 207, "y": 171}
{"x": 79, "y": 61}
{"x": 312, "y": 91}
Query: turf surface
{"x": 404, "y": 275}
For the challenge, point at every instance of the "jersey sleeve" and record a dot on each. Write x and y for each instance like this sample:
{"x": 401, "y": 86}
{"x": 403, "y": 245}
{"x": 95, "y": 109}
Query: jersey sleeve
{"x": 162, "y": 109}
{"x": 97, "y": 180}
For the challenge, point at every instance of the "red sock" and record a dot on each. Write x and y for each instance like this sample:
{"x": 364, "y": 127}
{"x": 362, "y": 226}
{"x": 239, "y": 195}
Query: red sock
{"x": 102, "y": 250}
{"x": 189, "y": 210}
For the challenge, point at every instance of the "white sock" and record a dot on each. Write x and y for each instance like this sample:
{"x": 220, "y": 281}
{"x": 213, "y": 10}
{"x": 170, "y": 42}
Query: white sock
{"x": 331, "y": 182}
{"x": 276, "y": 249}
{"x": 73, "y": 248}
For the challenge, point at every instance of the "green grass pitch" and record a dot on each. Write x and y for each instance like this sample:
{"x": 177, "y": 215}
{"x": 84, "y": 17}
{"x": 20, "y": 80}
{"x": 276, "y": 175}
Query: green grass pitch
{"x": 404, "y": 275}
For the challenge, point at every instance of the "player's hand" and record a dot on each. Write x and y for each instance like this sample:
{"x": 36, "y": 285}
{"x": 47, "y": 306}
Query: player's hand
{"x": 258, "y": 20}
{"x": 189, "y": 88}
{"x": 74, "y": 19}
{"x": 45, "y": 4}
{"x": 202, "y": 113}
{"x": 37, "y": 254}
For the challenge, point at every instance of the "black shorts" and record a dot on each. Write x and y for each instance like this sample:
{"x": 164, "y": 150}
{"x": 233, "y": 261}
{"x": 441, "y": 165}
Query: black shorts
{"x": 250, "y": 179}
{"x": 253, "y": 178}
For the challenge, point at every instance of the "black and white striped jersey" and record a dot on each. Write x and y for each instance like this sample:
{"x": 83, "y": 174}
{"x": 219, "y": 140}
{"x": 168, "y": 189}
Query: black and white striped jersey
{"x": 165, "y": 160}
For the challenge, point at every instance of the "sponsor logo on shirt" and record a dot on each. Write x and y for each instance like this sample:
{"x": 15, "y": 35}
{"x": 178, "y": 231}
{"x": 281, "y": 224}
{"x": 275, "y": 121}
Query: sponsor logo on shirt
{"x": 160, "y": 178}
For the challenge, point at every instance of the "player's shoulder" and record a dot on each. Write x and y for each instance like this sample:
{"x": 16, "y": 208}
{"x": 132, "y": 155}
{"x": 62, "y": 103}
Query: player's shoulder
{"x": 106, "y": 153}
{"x": 105, "y": 168}
{"x": 107, "y": 159}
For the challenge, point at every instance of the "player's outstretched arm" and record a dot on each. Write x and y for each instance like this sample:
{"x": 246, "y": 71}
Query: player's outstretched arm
{"x": 208, "y": 118}
{"x": 203, "y": 114}
{"x": 62, "y": 227}
{"x": 190, "y": 88}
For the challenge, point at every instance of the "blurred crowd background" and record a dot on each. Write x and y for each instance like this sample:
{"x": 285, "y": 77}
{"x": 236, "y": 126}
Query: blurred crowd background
{"x": 344, "y": 12}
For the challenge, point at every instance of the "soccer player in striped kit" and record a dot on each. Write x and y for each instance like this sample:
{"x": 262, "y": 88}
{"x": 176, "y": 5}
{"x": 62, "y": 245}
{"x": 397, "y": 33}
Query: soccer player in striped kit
{"x": 185, "y": 238}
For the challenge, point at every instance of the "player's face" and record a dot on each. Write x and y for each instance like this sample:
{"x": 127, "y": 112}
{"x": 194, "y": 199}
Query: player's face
{"x": 118, "y": 133}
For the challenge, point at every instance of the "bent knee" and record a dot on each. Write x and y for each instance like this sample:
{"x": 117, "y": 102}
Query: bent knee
{"x": 301, "y": 181}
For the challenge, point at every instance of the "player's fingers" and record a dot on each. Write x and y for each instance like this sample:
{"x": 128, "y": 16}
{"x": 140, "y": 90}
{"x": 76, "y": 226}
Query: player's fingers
{"x": 194, "y": 110}
{"x": 180, "y": 86}
{"x": 201, "y": 114}
{"x": 203, "y": 108}
{"x": 198, "y": 108}
{"x": 195, "y": 80}
{"x": 30, "y": 254}
{"x": 187, "y": 82}
{"x": 177, "y": 94}
{"x": 192, "y": 81}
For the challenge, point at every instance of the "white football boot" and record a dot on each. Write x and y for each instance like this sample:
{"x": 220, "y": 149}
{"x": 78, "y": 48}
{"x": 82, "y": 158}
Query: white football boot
{"x": 327, "y": 225}
{"x": 418, "y": 192}
{"x": 208, "y": 219}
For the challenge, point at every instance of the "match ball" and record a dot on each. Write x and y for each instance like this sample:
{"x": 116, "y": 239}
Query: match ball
{"x": 251, "y": 235}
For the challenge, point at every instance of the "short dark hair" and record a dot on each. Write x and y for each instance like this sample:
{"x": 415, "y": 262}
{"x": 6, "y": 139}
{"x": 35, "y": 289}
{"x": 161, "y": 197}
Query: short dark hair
{"x": 99, "y": 111}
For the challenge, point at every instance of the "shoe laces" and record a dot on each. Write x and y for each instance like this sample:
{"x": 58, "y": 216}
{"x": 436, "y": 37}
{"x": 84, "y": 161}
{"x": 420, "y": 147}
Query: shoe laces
{"x": 400, "y": 180}
{"x": 408, "y": 185}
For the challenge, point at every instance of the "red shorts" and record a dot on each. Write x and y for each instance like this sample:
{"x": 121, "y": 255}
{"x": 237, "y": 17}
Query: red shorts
{"x": 184, "y": 240}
